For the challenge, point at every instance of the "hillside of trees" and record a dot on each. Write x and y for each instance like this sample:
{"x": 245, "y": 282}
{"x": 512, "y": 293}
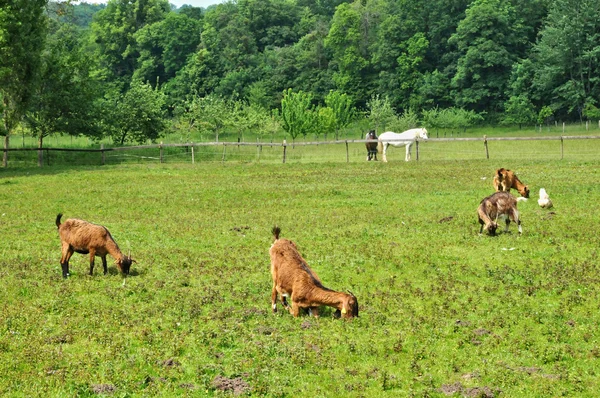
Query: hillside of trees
{"x": 133, "y": 69}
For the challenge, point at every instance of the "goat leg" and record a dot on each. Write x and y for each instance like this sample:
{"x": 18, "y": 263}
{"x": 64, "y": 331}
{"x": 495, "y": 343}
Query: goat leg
{"x": 104, "y": 265}
{"x": 65, "y": 269}
{"x": 92, "y": 259}
{"x": 274, "y": 298}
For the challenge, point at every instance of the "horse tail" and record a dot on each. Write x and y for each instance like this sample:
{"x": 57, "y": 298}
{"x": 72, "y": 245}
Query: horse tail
{"x": 380, "y": 147}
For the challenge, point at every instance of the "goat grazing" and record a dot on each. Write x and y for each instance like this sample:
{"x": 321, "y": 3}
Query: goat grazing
{"x": 544, "y": 200}
{"x": 294, "y": 279}
{"x": 505, "y": 179}
{"x": 500, "y": 204}
{"x": 87, "y": 238}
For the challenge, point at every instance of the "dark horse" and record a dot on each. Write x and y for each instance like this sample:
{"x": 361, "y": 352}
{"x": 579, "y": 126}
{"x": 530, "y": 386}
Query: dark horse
{"x": 371, "y": 146}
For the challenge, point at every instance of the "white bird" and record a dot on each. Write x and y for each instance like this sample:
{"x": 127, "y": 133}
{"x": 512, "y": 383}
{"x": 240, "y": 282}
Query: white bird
{"x": 544, "y": 200}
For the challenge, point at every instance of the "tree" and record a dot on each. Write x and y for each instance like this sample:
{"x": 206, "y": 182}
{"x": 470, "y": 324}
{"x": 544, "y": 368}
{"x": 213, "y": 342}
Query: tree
{"x": 164, "y": 47}
{"x": 380, "y": 113}
{"x": 136, "y": 116}
{"x": 113, "y": 32}
{"x": 489, "y": 40}
{"x": 567, "y": 57}
{"x": 342, "y": 110}
{"x": 210, "y": 113}
{"x": 297, "y": 113}
{"x": 22, "y": 32}
{"x": 64, "y": 100}
{"x": 352, "y": 31}
{"x": 518, "y": 110}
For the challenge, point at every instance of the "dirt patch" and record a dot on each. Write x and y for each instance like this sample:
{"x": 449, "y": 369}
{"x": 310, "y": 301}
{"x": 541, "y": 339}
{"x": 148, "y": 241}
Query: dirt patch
{"x": 169, "y": 363}
{"x": 481, "y": 332}
{"x": 237, "y": 385}
{"x": 306, "y": 325}
{"x": 446, "y": 219}
{"x": 474, "y": 392}
{"x": 449, "y": 389}
{"x": 103, "y": 388}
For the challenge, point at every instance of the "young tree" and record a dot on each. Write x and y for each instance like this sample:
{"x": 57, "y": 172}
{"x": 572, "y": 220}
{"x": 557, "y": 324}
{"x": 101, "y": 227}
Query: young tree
{"x": 518, "y": 110}
{"x": 380, "y": 113}
{"x": 136, "y": 116}
{"x": 207, "y": 114}
{"x": 343, "y": 112}
{"x": 297, "y": 113}
{"x": 22, "y": 33}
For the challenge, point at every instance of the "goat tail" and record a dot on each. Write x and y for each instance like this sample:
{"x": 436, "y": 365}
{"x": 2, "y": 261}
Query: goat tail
{"x": 276, "y": 231}
{"x": 58, "y": 217}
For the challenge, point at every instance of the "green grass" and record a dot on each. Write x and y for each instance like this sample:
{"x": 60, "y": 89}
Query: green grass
{"x": 441, "y": 308}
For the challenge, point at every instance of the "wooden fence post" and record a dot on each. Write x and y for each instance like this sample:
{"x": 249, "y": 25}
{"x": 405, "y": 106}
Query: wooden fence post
{"x": 562, "y": 149}
{"x": 258, "y": 150}
{"x": 193, "y": 160}
{"x": 284, "y": 149}
{"x": 347, "y": 154}
{"x": 103, "y": 154}
{"x": 161, "y": 151}
{"x": 223, "y": 157}
{"x": 487, "y": 153}
{"x": 417, "y": 148}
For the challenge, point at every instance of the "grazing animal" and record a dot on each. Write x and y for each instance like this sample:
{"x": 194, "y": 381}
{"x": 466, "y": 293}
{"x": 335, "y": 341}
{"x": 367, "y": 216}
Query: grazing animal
{"x": 87, "y": 238}
{"x": 406, "y": 138}
{"x": 544, "y": 200}
{"x": 505, "y": 179}
{"x": 371, "y": 146}
{"x": 294, "y": 279}
{"x": 499, "y": 204}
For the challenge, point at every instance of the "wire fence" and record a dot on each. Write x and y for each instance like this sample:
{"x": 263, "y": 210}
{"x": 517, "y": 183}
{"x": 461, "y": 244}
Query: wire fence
{"x": 471, "y": 148}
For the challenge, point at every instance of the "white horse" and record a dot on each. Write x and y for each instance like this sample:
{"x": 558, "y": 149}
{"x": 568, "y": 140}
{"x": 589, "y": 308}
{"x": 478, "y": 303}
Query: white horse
{"x": 406, "y": 138}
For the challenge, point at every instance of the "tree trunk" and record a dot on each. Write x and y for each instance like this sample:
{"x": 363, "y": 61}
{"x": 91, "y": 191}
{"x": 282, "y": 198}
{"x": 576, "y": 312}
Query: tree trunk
{"x": 40, "y": 151}
{"x": 5, "y": 156}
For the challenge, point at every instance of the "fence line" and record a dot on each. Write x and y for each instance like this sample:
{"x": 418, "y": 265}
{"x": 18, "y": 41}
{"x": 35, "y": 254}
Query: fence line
{"x": 284, "y": 144}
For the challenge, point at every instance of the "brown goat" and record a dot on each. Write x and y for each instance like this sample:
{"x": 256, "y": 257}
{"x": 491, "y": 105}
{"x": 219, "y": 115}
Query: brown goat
{"x": 505, "y": 179}
{"x": 87, "y": 238}
{"x": 500, "y": 204}
{"x": 292, "y": 277}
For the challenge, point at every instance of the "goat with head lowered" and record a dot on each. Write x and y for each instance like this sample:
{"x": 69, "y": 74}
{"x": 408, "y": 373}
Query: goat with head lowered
{"x": 294, "y": 279}
{"x": 86, "y": 238}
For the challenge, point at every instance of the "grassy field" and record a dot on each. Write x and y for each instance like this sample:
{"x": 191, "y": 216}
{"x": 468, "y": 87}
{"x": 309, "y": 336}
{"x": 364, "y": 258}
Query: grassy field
{"x": 443, "y": 311}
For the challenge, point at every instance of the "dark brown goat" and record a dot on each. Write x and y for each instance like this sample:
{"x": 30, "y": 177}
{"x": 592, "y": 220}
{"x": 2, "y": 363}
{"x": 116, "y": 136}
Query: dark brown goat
{"x": 292, "y": 277}
{"x": 500, "y": 204}
{"x": 87, "y": 238}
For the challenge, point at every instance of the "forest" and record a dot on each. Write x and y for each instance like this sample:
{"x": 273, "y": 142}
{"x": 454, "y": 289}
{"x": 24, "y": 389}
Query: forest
{"x": 133, "y": 70}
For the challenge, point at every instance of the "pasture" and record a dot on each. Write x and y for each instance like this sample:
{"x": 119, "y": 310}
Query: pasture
{"x": 443, "y": 311}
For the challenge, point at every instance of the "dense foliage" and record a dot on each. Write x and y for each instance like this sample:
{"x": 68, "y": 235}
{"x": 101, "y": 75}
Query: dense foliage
{"x": 512, "y": 62}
